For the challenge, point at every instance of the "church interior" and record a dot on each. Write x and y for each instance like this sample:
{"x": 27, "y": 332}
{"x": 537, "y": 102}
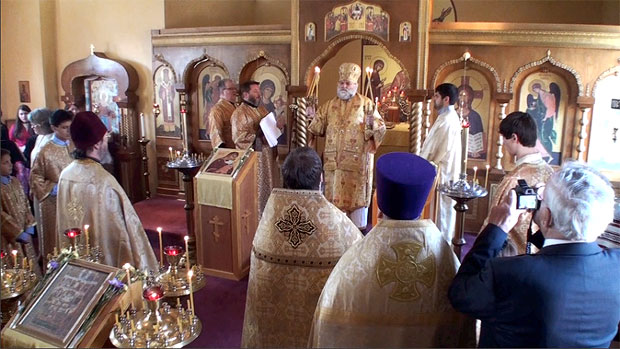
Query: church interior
{"x": 152, "y": 71}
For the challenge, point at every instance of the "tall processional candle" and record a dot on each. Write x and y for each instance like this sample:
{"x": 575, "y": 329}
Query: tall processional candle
{"x": 161, "y": 248}
{"x": 186, "y": 238}
{"x": 142, "y": 126}
{"x": 486, "y": 176}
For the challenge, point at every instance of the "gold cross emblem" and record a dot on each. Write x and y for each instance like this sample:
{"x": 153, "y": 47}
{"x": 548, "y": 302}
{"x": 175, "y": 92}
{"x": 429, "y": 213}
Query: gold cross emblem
{"x": 294, "y": 225}
{"x": 406, "y": 271}
{"x": 76, "y": 212}
{"x": 216, "y": 223}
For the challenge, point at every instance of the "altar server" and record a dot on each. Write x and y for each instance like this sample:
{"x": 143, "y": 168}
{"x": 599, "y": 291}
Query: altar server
{"x": 88, "y": 194}
{"x": 390, "y": 289}
{"x": 443, "y": 148}
{"x": 299, "y": 240}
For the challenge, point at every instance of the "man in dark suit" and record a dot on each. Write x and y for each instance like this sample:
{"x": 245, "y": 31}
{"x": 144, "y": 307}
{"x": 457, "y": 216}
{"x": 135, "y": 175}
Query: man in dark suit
{"x": 566, "y": 295}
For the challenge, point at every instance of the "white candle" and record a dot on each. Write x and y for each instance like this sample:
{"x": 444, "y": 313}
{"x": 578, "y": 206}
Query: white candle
{"x": 486, "y": 176}
{"x": 475, "y": 171}
{"x": 14, "y": 253}
{"x": 171, "y": 154}
{"x": 190, "y": 274}
{"x": 186, "y": 238}
{"x": 464, "y": 143}
{"x": 161, "y": 248}
{"x": 142, "y": 126}
{"x": 126, "y": 266}
{"x": 86, "y": 226}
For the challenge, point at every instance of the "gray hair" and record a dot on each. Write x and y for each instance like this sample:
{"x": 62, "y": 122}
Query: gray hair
{"x": 41, "y": 116}
{"x": 581, "y": 201}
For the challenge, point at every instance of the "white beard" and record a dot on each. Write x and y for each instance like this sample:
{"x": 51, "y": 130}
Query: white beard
{"x": 345, "y": 94}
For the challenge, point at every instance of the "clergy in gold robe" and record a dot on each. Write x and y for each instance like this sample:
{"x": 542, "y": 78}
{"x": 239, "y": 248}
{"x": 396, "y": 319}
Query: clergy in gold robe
{"x": 390, "y": 289}
{"x": 51, "y": 160}
{"x": 443, "y": 148}
{"x": 88, "y": 194}
{"x": 220, "y": 129}
{"x": 520, "y": 135}
{"x": 353, "y": 131}
{"x": 246, "y": 133}
{"x": 299, "y": 239}
{"x": 18, "y": 223}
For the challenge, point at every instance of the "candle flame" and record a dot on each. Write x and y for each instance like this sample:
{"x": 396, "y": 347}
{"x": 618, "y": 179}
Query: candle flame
{"x": 488, "y": 166}
{"x": 14, "y": 252}
{"x": 475, "y": 168}
{"x": 86, "y": 226}
{"x": 317, "y": 69}
{"x": 190, "y": 273}
{"x": 126, "y": 266}
{"x": 186, "y": 238}
{"x": 170, "y": 148}
{"x": 159, "y": 230}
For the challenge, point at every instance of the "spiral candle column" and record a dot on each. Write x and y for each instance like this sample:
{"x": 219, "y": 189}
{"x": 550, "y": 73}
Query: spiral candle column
{"x": 302, "y": 122}
{"x": 415, "y": 128}
{"x": 581, "y": 146}
{"x": 427, "y": 117}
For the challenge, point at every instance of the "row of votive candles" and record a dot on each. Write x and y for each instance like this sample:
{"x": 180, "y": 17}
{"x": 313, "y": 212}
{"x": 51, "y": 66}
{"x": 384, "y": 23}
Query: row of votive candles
{"x": 486, "y": 175}
{"x": 175, "y": 155}
{"x": 25, "y": 263}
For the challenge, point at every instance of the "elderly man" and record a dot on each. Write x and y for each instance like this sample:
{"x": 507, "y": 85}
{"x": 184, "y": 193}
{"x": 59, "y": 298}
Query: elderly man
{"x": 88, "y": 194}
{"x": 390, "y": 289}
{"x": 353, "y": 131}
{"x": 566, "y": 295}
{"x": 443, "y": 148}
{"x": 219, "y": 117}
{"x": 246, "y": 133}
{"x": 519, "y": 132}
{"x": 299, "y": 240}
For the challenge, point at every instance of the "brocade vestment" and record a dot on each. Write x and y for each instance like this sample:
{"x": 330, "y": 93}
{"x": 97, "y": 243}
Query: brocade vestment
{"x": 349, "y": 151}
{"x": 88, "y": 194}
{"x": 533, "y": 169}
{"x": 39, "y": 142}
{"x": 245, "y": 124}
{"x": 16, "y": 218}
{"x": 48, "y": 165}
{"x": 220, "y": 129}
{"x": 299, "y": 239}
{"x": 443, "y": 147}
{"x": 390, "y": 290}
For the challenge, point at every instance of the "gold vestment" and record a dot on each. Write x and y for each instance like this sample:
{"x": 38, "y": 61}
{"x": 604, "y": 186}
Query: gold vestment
{"x": 48, "y": 165}
{"x": 349, "y": 151}
{"x": 88, "y": 194}
{"x": 534, "y": 170}
{"x": 298, "y": 241}
{"x": 442, "y": 146}
{"x": 16, "y": 218}
{"x": 220, "y": 129}
{"x": 245, "y": 124}
{"x": 391, "y": 290}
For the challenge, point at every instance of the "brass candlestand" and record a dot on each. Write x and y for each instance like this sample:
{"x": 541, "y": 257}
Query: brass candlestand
{"x": 174, "y": 279}
{"x": 188, "y": 165}
{"x": 461, "y": 191}
{"x": 16, "y": 281}
{"x": 145, "y": 163}
{"x": 157, "y": 325}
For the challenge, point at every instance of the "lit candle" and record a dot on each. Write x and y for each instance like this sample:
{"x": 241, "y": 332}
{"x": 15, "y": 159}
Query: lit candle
{"x": 14, "y": 253}
{"x": 475, "y": 171}
{"x": 161, "y": 248}
{"x": 25, "y": 263}
{"x": 369, "y": 84}
{"x": 171, "y": 154}
{"x": 186, "y": 238}
{"x": 316, "y": 85}
{"x": 142, "y": 126}
{"x": 126, "y": 266}
{"x": 190, "y": 274}
{"x": 464, "y": 143}
{"x": 178, "y": 154}
{"x": 116, "y": 318}
{"x": 486, "y": 176}
{"x": 86, "y": 226}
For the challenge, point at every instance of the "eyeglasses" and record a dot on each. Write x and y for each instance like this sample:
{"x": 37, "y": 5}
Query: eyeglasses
{"x": 230, "y": 88}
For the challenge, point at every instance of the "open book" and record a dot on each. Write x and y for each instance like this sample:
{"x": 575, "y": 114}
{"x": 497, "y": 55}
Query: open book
{"x": 270, "y": 129}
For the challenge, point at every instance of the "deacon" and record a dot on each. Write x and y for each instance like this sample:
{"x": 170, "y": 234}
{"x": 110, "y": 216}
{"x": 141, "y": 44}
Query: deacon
{"x": 390, "y": 289}
{"x": 299, "y": 239}
{"x": 219, "y": 117}
{"x": 353, "y": 130}
{"x": 246, "y": 133}
{"x": 519, "y": 132}
{"x": 88, "y": 194}
{"x": 49, "y": 163}
{"x": 443, "y": 148}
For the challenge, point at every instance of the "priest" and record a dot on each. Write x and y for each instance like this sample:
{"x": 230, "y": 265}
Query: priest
{"x": 88, "y": 194}
{"x": 299, "y": 239}
{"x": 219, "y": 117}
{"x": 246, "y": 133}
{"x": 390, "y": 289}
{"x": 353, "y": 131}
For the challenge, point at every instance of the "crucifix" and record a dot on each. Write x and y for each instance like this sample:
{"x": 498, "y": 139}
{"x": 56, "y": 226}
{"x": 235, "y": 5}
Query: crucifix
{"x": 216, "y": 223}
{"x": 244, "y": 218}
{"x": 92, "y": 49}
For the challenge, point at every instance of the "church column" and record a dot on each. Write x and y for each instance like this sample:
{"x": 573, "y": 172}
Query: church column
{"x": 585, "y": 104}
